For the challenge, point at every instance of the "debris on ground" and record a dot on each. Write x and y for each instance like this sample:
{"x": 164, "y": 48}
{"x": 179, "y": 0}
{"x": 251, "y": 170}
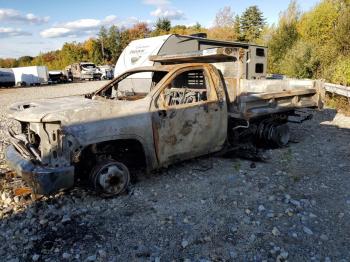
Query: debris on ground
{"x": 295, "y": 206}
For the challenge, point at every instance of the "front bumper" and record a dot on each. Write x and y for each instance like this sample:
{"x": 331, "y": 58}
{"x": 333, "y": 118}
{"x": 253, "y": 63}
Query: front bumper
{"x": 91, "y": 76}
{"x": 42, "y": 180}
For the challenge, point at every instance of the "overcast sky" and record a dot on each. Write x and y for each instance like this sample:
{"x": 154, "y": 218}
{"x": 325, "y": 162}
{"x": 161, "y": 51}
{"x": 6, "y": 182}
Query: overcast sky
{"x": 28, "y": 27}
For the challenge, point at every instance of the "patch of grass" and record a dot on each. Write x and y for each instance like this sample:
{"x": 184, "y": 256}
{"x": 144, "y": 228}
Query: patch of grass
{"x": 237, "y": 166}
{"x": 296, "y": 178}
{"x": 288, "y": 155}
{"x": 340, "y": 103}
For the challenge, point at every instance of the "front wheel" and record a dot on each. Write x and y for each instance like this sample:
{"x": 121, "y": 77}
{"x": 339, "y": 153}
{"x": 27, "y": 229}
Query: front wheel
{"x": 110, "y": 177}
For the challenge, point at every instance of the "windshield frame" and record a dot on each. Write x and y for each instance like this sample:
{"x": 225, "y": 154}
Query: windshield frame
{"x": 121, "y": 77}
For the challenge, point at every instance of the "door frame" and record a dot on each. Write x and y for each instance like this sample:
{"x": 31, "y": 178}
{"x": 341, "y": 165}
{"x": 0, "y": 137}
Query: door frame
{"x": 212, "y": 97}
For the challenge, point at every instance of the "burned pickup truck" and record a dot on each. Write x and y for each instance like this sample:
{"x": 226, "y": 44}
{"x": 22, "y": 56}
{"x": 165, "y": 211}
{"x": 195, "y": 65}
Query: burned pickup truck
{"x": 185, "y": 111}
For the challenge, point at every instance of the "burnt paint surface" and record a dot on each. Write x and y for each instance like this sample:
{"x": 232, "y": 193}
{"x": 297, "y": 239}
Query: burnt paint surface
{"x": 168, "y": 134}
{"x": 189, "y": 130}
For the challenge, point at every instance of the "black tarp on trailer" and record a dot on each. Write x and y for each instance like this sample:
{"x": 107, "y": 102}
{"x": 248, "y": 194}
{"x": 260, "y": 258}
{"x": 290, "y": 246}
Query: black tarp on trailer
{"x": 7, "y": 77}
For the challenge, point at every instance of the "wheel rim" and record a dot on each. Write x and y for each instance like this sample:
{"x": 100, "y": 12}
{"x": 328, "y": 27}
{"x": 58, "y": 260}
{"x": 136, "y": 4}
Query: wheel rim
{"x": 282, "y": 135}
{"x": 112, "y": 178}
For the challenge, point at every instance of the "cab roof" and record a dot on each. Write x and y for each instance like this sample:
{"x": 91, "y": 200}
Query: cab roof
{"x": 165, "y": 68}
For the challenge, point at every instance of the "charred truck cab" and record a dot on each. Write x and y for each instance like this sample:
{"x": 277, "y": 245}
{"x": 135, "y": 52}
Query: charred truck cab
{"x": 193, "y": 105}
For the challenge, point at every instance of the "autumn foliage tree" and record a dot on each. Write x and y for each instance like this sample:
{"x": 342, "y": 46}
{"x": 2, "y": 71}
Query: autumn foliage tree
{"x": 284, "y": 36}
{"x": 315, "y": 44}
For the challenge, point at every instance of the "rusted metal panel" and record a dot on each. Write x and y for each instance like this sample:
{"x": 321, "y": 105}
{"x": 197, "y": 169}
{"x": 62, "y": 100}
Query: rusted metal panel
{"x": 262, "y": 97}
{"x": 189, "y": 130}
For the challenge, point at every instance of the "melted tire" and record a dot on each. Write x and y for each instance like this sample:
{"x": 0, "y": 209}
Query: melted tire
{"x": 110, "y": 178}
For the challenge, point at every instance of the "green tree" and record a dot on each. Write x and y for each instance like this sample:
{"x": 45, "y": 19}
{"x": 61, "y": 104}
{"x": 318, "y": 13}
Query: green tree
{"x": 317, "y": 27}
{"x": 300, "y": 61}
{"x": 114, "y": 44}
{"x": 237, "y": 27}
{"x": 94, "y": 50}
{"x": 284, "y": 36}
{"x": 163, "y": 25}
{"x": 103, "y": 37}
{"x": 73, "y": 52}
{"x": 341, "y": 73}
{"x": 341, "y": 31}
{"x": 197, "y": 27}
{"x": 25, "y": 60}
{"x": 252, "y": 23}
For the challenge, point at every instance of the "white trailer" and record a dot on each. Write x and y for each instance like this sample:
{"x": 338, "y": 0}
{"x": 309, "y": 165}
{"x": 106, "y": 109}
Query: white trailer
{"x": 252, "y": 64}
{"x": 31, "y": 75}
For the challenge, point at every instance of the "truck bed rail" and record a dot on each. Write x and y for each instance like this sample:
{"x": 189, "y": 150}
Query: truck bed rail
{"x": 257, "y": 98}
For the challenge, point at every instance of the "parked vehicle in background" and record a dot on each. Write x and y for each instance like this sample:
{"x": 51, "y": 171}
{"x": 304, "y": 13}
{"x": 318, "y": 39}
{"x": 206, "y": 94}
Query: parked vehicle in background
{"x": 31, "y": 75}
{"x": 7, "y": 77}
{"x": 107, "y": 72}
{"x": 276, "y": 76}
{"x": 83, "y": 71}
{"x": 56, "y": 77}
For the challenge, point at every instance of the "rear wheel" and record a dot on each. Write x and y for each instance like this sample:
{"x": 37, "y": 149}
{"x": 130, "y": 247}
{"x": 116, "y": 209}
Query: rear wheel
{"x": 21, "y": 84}
{"x": 273, "y": 134}
{"x": 110, "y": 177}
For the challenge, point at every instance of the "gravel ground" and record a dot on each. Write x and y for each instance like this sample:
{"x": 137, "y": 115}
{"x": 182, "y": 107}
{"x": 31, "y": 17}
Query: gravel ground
{"x": 295, "y": 206}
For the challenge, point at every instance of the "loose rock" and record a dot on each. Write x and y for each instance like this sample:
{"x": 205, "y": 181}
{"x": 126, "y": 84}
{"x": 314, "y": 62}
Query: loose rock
{"x": 307, "y": 230}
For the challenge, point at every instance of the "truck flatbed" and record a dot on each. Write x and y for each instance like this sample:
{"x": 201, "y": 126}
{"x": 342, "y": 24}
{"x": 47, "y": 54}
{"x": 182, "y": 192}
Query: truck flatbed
{"x": 251, "y": 98}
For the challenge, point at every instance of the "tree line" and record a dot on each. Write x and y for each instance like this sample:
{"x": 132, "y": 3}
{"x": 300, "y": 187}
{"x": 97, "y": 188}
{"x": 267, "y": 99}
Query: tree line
{"x": 313, "y": 44}
{"x": 108, "y": 44}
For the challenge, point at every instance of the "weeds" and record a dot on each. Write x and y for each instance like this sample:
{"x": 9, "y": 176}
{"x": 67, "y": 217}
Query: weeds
{"x": 237, "y": 166}
{"x": 340, "y": 103}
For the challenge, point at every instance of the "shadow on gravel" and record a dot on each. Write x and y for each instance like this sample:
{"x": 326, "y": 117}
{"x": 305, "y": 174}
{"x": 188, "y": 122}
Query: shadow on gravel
{"x": 51, "y": 223}
{"x": 324, "y": 121}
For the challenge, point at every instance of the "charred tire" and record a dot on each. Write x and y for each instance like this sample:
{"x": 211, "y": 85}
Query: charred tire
{"x": 273, "y": 134}
{"x": 110, "y": 177}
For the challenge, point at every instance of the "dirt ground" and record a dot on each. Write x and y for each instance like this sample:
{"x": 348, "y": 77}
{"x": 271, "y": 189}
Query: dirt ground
{"x": 295, "y": 206}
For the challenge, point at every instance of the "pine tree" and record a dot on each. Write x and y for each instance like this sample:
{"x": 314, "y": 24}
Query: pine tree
{"x": 163, "y": 24}
{"x": 197, "y": 27}
{"x": 252, "y": 23}
{"x": 237, "y": 27}
{"x": 114, "y": 43}
{"x": 102, "y": 36}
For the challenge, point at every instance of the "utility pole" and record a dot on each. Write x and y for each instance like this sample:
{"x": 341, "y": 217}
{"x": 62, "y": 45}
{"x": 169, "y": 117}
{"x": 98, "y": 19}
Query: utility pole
{"x": 103, "y": 51}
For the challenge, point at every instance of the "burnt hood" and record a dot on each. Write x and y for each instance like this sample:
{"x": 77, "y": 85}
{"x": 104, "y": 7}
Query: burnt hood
{"x": 38, "y": 110}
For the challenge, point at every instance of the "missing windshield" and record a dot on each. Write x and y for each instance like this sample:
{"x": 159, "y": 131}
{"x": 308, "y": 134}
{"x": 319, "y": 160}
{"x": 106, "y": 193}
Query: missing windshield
{"x": 88, "y": 66}
{"x": 132, "y": 86}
